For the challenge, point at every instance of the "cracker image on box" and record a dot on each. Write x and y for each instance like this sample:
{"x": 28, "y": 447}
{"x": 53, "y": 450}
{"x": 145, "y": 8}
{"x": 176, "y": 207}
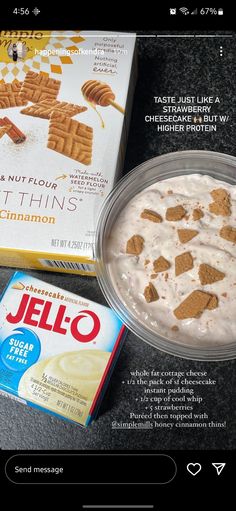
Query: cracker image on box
{"x": 45, "y": 108}
{"x": 58, "y": 163}
{"x": 57, "y": 349}
{"x": 10, "y": 95}
{"x": 71, "y": 138}
{"x": 37, "y": 86}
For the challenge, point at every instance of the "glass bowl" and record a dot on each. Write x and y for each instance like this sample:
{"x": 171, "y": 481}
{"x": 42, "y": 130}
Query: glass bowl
{"x": 217, "y": 165}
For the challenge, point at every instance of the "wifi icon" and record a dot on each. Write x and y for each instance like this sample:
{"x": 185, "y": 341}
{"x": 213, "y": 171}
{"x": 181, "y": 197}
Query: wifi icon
{"x": 184, "y": 10}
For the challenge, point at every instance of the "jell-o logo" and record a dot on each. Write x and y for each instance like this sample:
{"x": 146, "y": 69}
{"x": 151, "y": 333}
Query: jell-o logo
{"x": 30, "y": 308}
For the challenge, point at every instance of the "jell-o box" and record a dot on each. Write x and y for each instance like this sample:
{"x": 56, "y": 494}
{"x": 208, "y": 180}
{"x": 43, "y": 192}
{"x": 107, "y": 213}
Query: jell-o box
{"x": 57, "y": 349}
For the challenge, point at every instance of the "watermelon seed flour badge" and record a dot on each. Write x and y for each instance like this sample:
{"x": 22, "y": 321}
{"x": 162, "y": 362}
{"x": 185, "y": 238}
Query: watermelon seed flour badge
{"x": 57, "y": 349}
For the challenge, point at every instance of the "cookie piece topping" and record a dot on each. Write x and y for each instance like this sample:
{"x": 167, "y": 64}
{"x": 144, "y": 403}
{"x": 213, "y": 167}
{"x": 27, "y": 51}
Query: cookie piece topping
{"x": 228, "y": 233}
{"x": 161, "y": 264}
{"x": 186, "y": 235}
{"x": 134, "y": 245}
{"x": 208, "y": 275}
{"x": 148, "y": 214}
{"x": 183, "y": 263}
{"x": 213, "y": 303}
{"x": 221, "y": 204}
{"x": 197, "y": 214}
{"x": 175, "y": 214}
{"x": 150, "y": 293}
{"x": 193, "y": 305}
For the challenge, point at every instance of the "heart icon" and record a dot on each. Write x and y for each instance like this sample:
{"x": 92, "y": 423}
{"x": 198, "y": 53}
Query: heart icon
{"x": 194, "y": 468}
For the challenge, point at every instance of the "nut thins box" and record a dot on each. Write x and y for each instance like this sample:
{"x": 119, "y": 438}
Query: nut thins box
{"x": 57, "y": 349}
{"x": 65, "y": 101}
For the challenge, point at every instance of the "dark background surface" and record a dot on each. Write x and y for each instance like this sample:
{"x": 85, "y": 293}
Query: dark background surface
{"x": 167, "y": 66}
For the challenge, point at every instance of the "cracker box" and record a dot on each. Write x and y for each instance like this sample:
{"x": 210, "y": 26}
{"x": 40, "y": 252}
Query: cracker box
{"x": 57, "y": 349}
{"x": 65, "y": 99}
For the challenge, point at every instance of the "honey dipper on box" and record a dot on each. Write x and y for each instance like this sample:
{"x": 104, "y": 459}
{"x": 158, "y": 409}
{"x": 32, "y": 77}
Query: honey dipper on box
{"x": 100, "y": 93}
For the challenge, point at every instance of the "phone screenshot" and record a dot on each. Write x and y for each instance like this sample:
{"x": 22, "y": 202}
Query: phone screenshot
{"x": 117, "y": 253}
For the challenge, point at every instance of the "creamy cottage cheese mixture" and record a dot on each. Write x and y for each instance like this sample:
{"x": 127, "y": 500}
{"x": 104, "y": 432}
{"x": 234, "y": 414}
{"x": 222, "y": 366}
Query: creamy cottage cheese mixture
{"x": 172, "y": 259}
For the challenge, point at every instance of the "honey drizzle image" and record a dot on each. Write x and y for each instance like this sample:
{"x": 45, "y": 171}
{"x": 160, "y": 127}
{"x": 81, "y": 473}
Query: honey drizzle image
{"x": 99, "y": 94}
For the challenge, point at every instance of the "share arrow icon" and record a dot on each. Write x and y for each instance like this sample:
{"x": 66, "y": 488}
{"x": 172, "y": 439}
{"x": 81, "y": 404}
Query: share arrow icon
{"x": 219, "y": 467}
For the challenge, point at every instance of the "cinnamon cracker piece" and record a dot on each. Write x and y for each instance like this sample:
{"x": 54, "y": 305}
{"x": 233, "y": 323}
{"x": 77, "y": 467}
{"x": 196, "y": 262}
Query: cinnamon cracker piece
{"x": 228, "y": 233}
{"x": 213, "y": 303}
{"x": 220, "y": 195}
{"x": 37, "y": 87}
{"x": 176, "y": 213}
{"x": 161, "y": 264}
{"x": 134, "y": 245}
{"x": 183, "y": 263}
{"x": 186, "y": 235}
{"x": 197, "y": 214}
{"x": 148, "y": 214}
{"x": 209, "y": 275}
{"x": 219, "y": 209}
{"x": 193, "y": 305}
{"x": 10, "y": 95}
{"x": 150, "y": 293}
{"x": 221, "y": 204}
{"x": 45, "y": 108}
{"x": 70, "y": 138}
